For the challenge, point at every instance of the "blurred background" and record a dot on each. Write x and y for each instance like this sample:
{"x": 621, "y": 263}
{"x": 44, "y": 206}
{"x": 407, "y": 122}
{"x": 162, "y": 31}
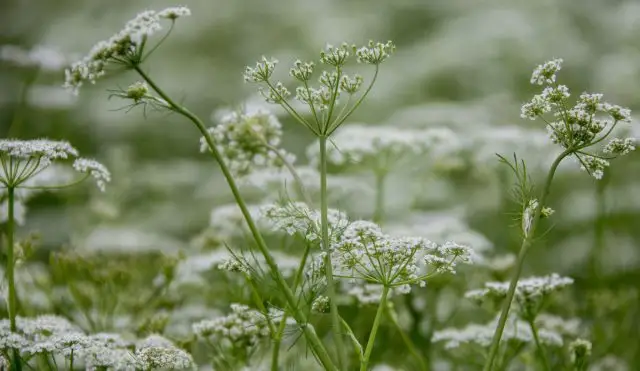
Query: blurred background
{"x": 464, "y": 65}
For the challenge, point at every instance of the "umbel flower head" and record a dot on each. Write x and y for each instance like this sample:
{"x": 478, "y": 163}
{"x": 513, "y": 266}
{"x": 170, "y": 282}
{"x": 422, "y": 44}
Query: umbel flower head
{"x": 578, "y": 128}
{"x": 124, "y": 48}
{"x": 241, "y": 329}
{"x": 530, "y": 292}
{"x": 249, "y": 141}
{"x": 365, "y": 253}
{"x": 324, "y": 99}
{"x": 24, "y": 159}
{"x": 516, "y": 333}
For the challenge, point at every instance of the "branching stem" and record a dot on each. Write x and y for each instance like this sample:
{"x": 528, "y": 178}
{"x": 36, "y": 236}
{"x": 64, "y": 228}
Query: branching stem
{"x": 526, "y": 243}
{"x": 300, "y": 317}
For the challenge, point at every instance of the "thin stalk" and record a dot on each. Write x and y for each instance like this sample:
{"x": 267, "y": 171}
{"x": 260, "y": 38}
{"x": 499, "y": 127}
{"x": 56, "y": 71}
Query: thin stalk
{"x": 13, "y": 297}
{"x": 71, "y": 361}
{"x": 541, "y": 352}
{"x": 331, "y": 289}
{"x": 300, "y": 317}
{"x": 407, "y": 341}
{"x": 378, "y": 214}
{"x": 256, "y": 297}
{"x": 526, "y": 243}
{"x": 374, "y": 329}
{"x": 275, "y": 352}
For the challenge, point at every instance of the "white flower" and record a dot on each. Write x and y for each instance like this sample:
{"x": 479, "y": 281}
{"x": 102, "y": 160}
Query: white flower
{"x": 538, "y": 106}
{"x": 364, "y": 252}
{"x": 335, "y": 56}
{"x": 160, "y": 357}
{"x": 122, "y": 48}
{"x": 249, "y": 141}
{"x": 528, "y": 289}
{"x": 95, "y": 169}
{"x": 298, "y": 218}
{"x": 546, "y": 73}
{"x": 262, "y": 72}
{"x": 154, "y": 340}
{"x": 375, "y": 53}
{"x": 174, "y": 13}
{"x": 243, "y": 327}
{"x": 619, "y": 146}
{"x": 593, "y": 165}
{"x": 302, "y": 71}
{"x": 515, "y": 331}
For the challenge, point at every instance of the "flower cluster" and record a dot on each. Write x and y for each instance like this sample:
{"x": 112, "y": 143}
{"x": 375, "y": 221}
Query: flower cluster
{"x": 242, "y": 328}
{"x": 590, "y": 121}
{"x": 381, "y": 147}
{"x": 324, "y": 99}
{"x": 23, "y": 160}
{"x": 298, "y": 218}
{"x": 364, "y": 252}
{"x": 515, "y": 332}
{"x": 530, "y": 292}
{"x": 125, "y": 47}
{"x": 249, "y": 141}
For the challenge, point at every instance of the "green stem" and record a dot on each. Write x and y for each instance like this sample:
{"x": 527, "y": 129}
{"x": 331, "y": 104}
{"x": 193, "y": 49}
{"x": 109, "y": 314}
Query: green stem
{"x": 326, "y": 245}
{"x": 71, "y": 361}
{"x": 378, "y": 214}
{"x": 277, "y": 340}
{"x": 526, "y": 243}
{"x": 407, "y": 341}
{"x": 300, "y": 317}
{"x": 13, "y": 297}
{"x": 256, "y": 297}
{"x": 374, "y": 329}
{"x": 541, "y": 352}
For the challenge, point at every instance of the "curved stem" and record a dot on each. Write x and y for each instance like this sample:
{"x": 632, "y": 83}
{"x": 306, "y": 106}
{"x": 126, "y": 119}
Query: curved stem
{"x": 326, "y": 245}
{"x": 300, "y": 317}
{"x": 374, "y": 329}
{"x": 354, "y": 341}
{"x": 407, "y": 341}
{"x": 541, "y": 352}
{"x": 526, "y": 243}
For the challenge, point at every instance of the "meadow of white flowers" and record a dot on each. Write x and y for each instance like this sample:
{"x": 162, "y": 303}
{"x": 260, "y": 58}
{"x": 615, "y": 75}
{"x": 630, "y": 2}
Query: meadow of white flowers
{"x": 326, "y": 219}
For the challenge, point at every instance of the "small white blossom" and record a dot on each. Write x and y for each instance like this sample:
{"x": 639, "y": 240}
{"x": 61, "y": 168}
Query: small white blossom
{"x": 302, "y": 71}
{"x": 262, "y": 71}
{"x": 580, "y": 350}
{"x": 546, "y": 73}
{"x": 95, "y": 169}
{"x": 375, "y": 53}
{"x": 335, "y": 56}
{"x": 298, "y": 218}
{"x": 160, "y": 357}
{"x": 593, "y": 165}
{"x": 617, "y": 146}
{"x": 249, "y": 141}
{"x": 515, "y": 331}
{"x": 538, "y": 106}
{"x": 242, "y": 328}
{"x": 174, "y": 13}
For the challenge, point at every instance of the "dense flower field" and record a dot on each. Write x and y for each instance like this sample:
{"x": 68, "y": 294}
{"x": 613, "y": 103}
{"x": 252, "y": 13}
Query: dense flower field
{"x": 463, "y": 197}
